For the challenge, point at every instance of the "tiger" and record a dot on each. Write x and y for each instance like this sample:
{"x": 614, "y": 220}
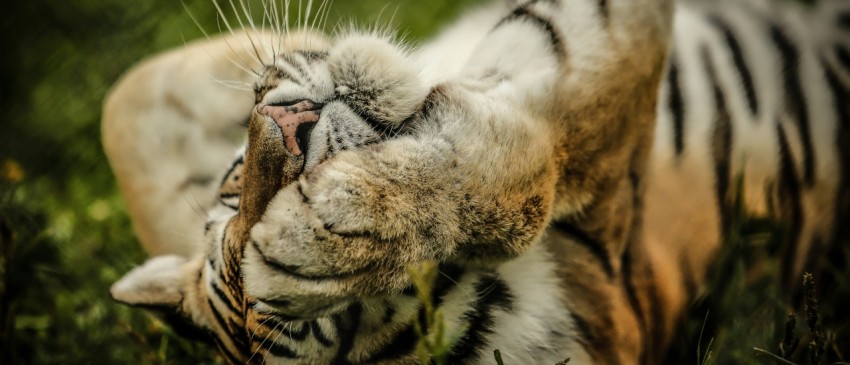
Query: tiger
{"x": 567, "y": 164}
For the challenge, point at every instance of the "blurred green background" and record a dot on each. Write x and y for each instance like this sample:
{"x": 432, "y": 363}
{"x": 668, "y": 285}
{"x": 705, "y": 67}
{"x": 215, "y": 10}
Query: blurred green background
{"x": 64, "y": 230}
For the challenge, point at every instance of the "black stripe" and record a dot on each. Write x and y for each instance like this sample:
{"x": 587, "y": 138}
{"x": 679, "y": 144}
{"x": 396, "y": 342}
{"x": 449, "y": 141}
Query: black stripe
{"x": 347, "y": 324}
{"x": 389, "y": 312}
{"x": 234, "y": 207}
{"x": 636, "y": 276}
{"x": 689, "y": 277}
{"x": 493, "y": 286}
{"x": 598, "y": 346}
{"x": 587, "y": 337}
{"x": 843, "y": 57}
{"x": 653, "y": 343}
{"x": 721, "y": 143}
{"x": 300, "y": 334}
{"x": 312, "y": 56}
{"x": 789, "y": 194}
{"x": 594, "y": 246}
{"x": 409, "y": 291}
{"x": 182, "y": 324}
{"x": 228, "y": 355}
{"x": 231, "y": 275}
{"x": 295, "y": 77}
{"x": 222, "y": 323}
{"x": 523, "y": 13}
{"x": 401, "y": 345}
{"x": 603, "y": 10}
{"x": 280, "y": 350}
{"x": 292, "y": 270}
{"x": 240, "y": 339}
{"x": 494, "y": 293}
{"x": 436, "y": 95}
{"x": 631, "y": 295}
{"x": 677, "y": 106}
{"x": 269, "y": 342}
{"x": 239, "y": 161}
{"x": 740, "y": 63}
{"x": 448, "y": 275}
{"x": 267, "y": 321}
{"x": 300, "y": 65}
{"x": 844, "y": 21}
{"x": 223, "y": 297}
{"x": 532, "y": 2}
{"x": 232, "y": 329}
{"x": 319, "y": 334}
{"x": 795, "y": 101}
{"x": 384, "y": 128}
{"x": 841, "y": 101}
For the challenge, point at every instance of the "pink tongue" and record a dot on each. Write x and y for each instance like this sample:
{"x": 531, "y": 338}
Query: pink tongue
{"x": 289, "y": 118}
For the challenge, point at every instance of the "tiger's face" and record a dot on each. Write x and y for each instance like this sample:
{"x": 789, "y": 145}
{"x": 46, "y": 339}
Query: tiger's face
{"x": 311, "y": 103}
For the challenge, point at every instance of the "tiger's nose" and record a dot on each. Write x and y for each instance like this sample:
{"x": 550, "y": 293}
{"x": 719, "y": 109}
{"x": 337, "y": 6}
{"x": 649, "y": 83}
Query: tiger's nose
{"x": 295, "y": 122}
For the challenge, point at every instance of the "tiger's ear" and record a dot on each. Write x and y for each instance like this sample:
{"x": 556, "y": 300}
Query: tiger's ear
{"x": 158, "y": 283}
{"x": 168, "y": 286}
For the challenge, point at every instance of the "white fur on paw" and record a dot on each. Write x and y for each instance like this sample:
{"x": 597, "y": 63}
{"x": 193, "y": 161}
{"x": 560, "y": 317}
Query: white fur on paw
{"x": 376, "y": 77}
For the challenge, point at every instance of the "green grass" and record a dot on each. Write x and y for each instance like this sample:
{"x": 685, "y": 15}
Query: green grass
{"x": 747, "y": 306}
{"x": 65, "y": 235}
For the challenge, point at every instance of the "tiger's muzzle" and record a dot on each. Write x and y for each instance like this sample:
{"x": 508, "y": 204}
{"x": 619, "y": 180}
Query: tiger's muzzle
{"x": 295, "y": 120}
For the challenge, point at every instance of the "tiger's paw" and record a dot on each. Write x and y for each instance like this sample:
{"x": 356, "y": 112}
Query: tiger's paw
{"x": 296, "y": 266}
{"x": 324, "y": 238}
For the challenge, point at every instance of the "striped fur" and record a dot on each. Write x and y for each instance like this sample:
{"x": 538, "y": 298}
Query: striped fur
{"x": 571, "y": 178}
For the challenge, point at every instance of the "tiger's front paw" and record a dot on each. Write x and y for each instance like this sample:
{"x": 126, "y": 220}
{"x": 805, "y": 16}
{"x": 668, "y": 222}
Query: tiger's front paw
{"x": 295, "y": 266}
{"x": 402, "y": 192}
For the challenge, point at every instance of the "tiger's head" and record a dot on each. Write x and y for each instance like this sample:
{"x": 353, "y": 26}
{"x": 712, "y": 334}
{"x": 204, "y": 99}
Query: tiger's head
{"x": 313, "y": 101}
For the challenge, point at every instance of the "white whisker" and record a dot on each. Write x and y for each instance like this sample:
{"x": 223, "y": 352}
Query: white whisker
{"x": 466, "y": 292}
{"x": 298, "y": 23}
{"x": 223, "y": 17}
{"x": 378, "y": 19}
{"x": 267, "y": 17}
{"x": 275, "y": 341}
{"x": 275, "y": 19}
{"x": 325, "y": 17}
{"x": 250, "y": 19}
{"x": 207, "y": 36}
{"x": 289, "y": 331}
{"x": 286, "y": 16}
{"x": 307, "y": 13}
{"x": 259, "y": 326}
{"x": 235, "y": 86}
{"x": 260, "y": 346}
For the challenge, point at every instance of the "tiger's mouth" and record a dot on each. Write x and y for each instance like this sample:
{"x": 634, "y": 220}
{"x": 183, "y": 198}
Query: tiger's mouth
{"x": 296, "y": 121}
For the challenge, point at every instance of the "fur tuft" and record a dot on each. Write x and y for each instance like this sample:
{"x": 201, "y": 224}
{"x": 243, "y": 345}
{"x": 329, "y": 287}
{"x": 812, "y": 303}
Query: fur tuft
{"x": 376, "y": 78}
